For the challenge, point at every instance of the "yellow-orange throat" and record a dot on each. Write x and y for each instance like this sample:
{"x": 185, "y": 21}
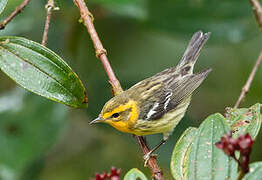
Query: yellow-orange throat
{"x": 124, "y": 125}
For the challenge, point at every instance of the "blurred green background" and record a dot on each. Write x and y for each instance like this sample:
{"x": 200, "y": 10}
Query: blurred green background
{"x": 40, "y": 139}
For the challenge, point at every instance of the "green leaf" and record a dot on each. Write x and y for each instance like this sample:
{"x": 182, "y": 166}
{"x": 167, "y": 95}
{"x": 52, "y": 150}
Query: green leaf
{"x": 2, "y": 5}
{"x": 255, "y": 171}
{"x": 27, "y": 132}
{"x": 245, "y": 120}
{"x": 134, "y": 174}
{"x": 179, "y": 154}
{"x": 205, "y": 161}
{"x": 39, "y": 70}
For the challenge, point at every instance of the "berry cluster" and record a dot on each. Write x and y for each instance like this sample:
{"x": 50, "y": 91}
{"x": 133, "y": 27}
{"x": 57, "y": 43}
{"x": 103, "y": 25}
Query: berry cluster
{"x": 243, "y": 144}
{"x": 113, "y": 175}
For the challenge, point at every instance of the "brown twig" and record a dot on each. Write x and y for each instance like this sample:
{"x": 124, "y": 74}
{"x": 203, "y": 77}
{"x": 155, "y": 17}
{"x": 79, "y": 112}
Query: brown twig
{"x": 49, "y": 8}
{"x": 17, "y": 10}
{"x": 87, "y": 19}
{"x": 257, "y": 11}
{"x": 246, "y": 87}
{"x": 156, "y": 171}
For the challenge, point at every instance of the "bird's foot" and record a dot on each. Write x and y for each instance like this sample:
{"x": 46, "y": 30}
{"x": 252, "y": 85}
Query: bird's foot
{"x": 147, "y": 156}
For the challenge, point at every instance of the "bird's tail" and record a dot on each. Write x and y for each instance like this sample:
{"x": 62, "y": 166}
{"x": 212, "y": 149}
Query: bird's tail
{"x": 192, "y": 51}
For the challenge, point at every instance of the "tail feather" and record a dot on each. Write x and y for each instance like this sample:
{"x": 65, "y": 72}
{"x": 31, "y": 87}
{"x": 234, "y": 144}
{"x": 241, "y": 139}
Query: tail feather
{"x": 187, "y": 85}
{"x": 192, "y": 52}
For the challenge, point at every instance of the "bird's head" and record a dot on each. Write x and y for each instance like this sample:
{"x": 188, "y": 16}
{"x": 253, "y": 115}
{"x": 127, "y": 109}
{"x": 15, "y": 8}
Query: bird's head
{"x": 121, "y": 112}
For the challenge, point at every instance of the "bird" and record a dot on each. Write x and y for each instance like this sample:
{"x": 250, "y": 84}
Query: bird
{"x": 158, "y": 103}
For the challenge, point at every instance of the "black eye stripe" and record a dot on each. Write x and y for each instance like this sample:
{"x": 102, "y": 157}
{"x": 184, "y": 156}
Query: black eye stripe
{"x": 115, "y": 115}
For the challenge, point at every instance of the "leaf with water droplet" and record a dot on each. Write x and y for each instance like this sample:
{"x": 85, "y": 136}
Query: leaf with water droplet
{"x": 204, "y": 160}
{"x": 39, "y": 70}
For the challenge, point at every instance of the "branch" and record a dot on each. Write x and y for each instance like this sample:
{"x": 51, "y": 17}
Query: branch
{"x": 246, "y": 87}
{"x": 49, "y": 8}
{"x": 17, "y": 10}
{"x": 87, "y": 19}
{"x": 156, "y": 171}
{"x": 257, "y": 11}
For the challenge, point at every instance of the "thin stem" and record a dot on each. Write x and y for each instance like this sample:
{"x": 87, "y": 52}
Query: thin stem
{"x": 49, "y": 8}
{"x": 156, "y": 171}
{"x": 241, "y": 172}
{"x": 17, "y": 10}
{"x": 257, "y": 11}
{"x": 246, "y": 87}
{"x": 243, "y": 166}
{"x": 101, "y": 53}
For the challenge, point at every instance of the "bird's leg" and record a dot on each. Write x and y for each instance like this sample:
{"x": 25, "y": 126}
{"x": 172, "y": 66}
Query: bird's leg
{"x": 150, "y": 153}
{"x": 144, "y": 138}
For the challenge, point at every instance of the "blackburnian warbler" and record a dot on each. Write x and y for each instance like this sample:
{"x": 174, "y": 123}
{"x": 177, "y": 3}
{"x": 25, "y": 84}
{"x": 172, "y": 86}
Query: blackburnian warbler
{"x": 157, "y": 104}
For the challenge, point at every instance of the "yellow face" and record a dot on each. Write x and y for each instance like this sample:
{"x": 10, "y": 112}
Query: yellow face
{"x": 121, "y": 117}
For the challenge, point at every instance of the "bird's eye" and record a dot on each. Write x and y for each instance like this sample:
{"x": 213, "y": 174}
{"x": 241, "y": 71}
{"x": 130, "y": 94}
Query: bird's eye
{"x": 115, "y": 115}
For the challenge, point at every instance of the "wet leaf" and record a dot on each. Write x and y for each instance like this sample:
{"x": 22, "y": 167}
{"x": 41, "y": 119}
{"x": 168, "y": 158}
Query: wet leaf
{"x": 245, "y": 120}
{"x": 205, "y": 161}
{"x": 39, "y": 70}
{"x": 255, "y": 171}
{"x": 135, "y": 174}
{"x": 179, "y": 154}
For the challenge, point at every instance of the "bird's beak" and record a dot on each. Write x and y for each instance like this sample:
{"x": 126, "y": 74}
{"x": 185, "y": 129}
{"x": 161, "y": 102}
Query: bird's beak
{"x": 97, "y": 120}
